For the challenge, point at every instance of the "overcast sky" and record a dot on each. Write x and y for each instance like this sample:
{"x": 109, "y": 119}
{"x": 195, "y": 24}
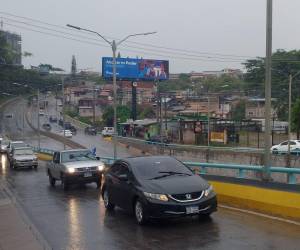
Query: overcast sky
{"x": 229, "y": 27}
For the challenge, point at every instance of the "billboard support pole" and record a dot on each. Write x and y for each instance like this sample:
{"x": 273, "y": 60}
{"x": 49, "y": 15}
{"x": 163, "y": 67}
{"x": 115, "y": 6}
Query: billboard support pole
{"x": 133, "y": 100}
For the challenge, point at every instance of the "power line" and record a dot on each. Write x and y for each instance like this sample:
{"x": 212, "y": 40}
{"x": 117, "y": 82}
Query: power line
{"x": 134, "y": 47}
{"x": 138, "y": 43}
{"x": 130, "y": 50}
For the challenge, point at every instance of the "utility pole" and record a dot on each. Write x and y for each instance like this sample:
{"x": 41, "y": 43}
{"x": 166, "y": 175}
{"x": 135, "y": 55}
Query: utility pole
{"x": 63, "y": 107}
{"x": 208, "y": 121}
{"x": 94, "y": 105}
{"x": 289, "y": 127}
{"x": 38, "y": 120}
{"x": 267, "y": 155}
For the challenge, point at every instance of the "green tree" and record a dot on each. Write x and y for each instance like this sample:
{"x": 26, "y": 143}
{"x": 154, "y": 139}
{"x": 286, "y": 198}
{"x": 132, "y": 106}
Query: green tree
{"x": 284, "y": 63}
{"x": 123, "y": 113}
{"x": 296, "y": 117}
{"x": 238, "y": 112}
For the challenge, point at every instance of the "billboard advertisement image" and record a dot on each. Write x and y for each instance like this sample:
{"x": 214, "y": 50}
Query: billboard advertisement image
{"x": 136, "y": 69}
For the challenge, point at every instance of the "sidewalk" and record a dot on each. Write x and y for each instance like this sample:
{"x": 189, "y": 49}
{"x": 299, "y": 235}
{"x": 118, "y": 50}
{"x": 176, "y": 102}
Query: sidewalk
{"x": 14, "y": 232}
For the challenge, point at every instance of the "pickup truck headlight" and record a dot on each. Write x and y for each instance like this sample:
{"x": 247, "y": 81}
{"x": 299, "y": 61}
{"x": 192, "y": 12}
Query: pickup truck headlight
{"x": 208, "y": 191}
{"x": 161, "y": 197}
{"x": 71, "y": 170}
{"x": 100, "y": 167}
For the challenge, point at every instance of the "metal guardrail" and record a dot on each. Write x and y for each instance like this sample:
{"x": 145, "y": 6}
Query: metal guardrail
{"x": 240, "y": 169}
{"x": 225, "y": 148}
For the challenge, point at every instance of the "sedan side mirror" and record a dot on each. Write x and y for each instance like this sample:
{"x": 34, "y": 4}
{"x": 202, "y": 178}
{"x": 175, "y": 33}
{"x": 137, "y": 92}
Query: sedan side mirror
{"x": 123, "y": 177}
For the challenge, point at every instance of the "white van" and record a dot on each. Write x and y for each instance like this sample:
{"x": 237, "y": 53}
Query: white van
{"x": 107, "y": 131}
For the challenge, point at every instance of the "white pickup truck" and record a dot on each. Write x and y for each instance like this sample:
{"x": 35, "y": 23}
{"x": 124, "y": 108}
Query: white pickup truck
{"x": 75, "y": 166}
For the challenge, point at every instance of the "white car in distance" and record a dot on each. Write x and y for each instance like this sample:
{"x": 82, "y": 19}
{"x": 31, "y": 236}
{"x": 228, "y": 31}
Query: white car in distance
{"x": 67, "y": 133}
{"x": 282, "y": 148}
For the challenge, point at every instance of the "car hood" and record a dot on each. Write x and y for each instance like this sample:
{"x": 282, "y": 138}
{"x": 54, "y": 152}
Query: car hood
{"x": 24, "y": 157}
{"x": 175, "y": 185}
{"x": 82, "y": 164}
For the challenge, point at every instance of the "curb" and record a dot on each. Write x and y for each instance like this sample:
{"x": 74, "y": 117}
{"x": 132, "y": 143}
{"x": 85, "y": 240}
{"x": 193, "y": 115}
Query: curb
{"x": 17, "y": 204}
{"x": 268, "y": 201}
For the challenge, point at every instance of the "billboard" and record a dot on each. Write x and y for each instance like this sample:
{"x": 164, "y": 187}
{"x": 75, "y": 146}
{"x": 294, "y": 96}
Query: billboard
{"x": 136, "y": 69}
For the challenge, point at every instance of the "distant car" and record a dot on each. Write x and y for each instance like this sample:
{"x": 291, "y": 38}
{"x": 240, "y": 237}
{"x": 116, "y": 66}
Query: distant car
{"x": 157, "y": 187}
{"x": 23, "y": 157}
{"x": 90, "y": 131}
{"x": 282, "y": 148}
{"x": 60, "y": 122}
{"x": 46, "y": 126}
{"x": 8, "y": 115}
{"x": 159, "y": 139}
{"x": 52, "y": 119}
{"x": 41, "y": 113}
{"x": 3, "y": 145}
{"x": 12, "y": 145}
{"x": 75, "y": 166}
{"x": 107, "y": 131}
{"x": 67, "y": 133}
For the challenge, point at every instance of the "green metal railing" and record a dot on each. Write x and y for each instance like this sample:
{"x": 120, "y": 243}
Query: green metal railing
{"x": 241, "y": 170}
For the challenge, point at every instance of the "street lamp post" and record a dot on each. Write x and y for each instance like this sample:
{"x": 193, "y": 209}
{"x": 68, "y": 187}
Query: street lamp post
{"x": 267, "y": 156}
{"x": 113, "y": 44}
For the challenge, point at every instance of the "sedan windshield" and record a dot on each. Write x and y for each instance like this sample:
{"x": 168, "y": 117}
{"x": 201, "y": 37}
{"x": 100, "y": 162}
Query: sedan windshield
{"x": 159, "y": 168}
{"x": 77, "y": 156}
{"x": 23, "y": 152}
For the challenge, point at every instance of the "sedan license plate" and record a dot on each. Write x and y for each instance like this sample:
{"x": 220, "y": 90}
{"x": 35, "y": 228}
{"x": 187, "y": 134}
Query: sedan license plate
{"x": 192, "y": 210}
{"x": 87, "y": 174}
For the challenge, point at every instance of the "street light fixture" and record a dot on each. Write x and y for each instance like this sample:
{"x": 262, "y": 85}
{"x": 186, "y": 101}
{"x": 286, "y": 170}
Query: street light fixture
{"x": 113, "y": 44}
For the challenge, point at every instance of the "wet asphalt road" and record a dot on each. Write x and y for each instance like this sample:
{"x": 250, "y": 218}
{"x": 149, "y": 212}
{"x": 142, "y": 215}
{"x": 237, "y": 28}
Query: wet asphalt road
{"x": 77, "y": 219}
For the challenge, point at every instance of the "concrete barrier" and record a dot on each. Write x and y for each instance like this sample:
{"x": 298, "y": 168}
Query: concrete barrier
{"x": 284, "y": 204}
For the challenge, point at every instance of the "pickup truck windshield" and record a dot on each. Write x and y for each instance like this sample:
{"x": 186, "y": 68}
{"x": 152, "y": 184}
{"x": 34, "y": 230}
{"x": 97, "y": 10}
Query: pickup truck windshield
{"x": 77, "y": 156}
{"x": 23, "y": 152}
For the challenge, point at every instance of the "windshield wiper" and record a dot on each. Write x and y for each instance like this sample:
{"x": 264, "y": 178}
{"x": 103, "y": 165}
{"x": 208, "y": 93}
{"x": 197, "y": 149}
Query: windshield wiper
{"x": 168, "y": 173}
{"x": 173, "y": 173}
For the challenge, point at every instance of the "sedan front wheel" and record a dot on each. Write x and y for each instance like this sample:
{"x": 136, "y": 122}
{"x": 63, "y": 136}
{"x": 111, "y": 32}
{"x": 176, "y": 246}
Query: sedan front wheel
{"x": 108, "y": 205}
{"x": 139, "y": 212}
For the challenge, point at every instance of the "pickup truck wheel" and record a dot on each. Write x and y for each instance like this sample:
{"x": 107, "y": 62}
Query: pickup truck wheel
{"x": 51, "y": 180}
{"x": 64, "y": 183}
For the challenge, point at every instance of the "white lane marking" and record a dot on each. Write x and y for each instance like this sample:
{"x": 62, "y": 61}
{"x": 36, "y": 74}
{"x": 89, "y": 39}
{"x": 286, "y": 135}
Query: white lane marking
{"x": 260, "y": 214}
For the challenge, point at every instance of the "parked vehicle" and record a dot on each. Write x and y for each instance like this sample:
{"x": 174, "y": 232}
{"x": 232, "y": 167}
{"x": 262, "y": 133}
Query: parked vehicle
{"x": 52, "y": 119}
{"x": 46, "y": 126}
{"x": 41, "y": 112}
{"x": 70, "y": 127}
{"x": 157, "y": 187}
{"x": 90, "y": 130}
{"x": 67, "y": 133}
{"x": 282, "y": 148}
{"x": 23, "y": 157}
{"x": 159, "y": 139}
{"x": 8, "y": 115}
{"x": 107, "y": 131}
{"x": 74, "y": 166}
{"x": 60, "y": 122}
{"x": 3, "y": 145}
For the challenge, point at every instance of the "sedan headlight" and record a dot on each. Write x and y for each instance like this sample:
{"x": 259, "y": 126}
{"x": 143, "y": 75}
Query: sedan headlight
{"x": 161, "y": 197}
{"x": 208, "y": 191}
{"x": 71, "y": 170}
{"x": 100, "y": 167}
